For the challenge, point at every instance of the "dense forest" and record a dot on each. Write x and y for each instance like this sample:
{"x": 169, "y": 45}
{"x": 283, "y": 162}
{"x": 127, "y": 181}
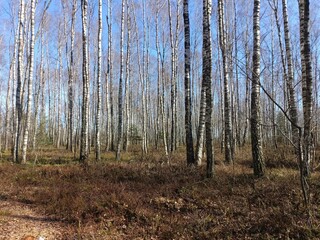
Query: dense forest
{"x": 160, "y": 119}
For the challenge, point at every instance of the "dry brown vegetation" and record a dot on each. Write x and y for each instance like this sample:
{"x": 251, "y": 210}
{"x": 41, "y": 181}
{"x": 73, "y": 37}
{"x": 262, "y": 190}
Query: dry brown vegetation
{"x": 147, "y": 199}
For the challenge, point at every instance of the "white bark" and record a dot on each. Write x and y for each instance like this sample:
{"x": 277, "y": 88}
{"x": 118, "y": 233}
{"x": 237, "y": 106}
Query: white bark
{"x": 98, "y": 113}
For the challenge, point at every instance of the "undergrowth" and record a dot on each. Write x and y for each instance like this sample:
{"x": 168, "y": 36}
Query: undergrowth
{"x": 144, "y": 198}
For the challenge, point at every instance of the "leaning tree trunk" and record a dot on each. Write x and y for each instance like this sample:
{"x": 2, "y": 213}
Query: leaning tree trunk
{"x": 84, "y": 144}
{"x": 207, "y": 79}
{"x": 257, "y": 154}
{"x": 98, "y": 113}
{"x": 188, "y": 107}
{"x": 120, "y": 97}
{"x": 201, "y": 126}
{"x": 227, "y": 106}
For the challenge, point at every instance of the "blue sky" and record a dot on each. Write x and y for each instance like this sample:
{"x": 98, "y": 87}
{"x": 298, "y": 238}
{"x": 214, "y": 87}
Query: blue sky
{"x": 55, "y": 10}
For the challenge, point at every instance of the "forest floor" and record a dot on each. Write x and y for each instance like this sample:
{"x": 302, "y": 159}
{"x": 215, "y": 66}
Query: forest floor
{"x": 144, "y": 198}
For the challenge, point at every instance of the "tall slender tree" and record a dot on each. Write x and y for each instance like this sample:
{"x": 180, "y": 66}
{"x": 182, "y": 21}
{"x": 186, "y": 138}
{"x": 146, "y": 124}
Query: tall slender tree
{"x": 207, "y": 79}
{"x": 120, "y": 94}
{"x": 98, "y": 113}
{"x": 160, "y": 85}
{"x": 18, "y": 115}
{"x": 201, "y": 125}
{"x": 84, "y": 141}
{"x": 307, "y": 82}
{"x": 144, "y": 82}
{"x": 70, "y": 80}
{"x": 174, "y": 64}
{"x": 127, "y": 84}
{"x": 8, "y": 100}
{"x": 187, "y": 87}
{"x": 290, "y": 79}
{"x": 109, "y": 77}
{"x": 227, "y": 105}
{"x": 30, "y": 80}
{"x": 257, "y": 154}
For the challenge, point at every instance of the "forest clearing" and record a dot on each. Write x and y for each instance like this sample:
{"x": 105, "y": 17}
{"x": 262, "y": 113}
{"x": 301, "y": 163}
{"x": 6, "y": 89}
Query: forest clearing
{"x": 148, "y": 199}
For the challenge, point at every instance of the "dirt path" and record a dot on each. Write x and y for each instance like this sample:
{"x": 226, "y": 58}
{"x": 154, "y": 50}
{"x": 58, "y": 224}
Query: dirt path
{"x": 18, "y": 220}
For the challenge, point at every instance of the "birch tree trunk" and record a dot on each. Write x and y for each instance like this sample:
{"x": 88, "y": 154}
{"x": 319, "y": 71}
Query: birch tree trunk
{"x": 307, "y": 82}
{"x": 174, "y": 49}
{"x": 227, "y": 106}
{"x": 39, "y": 92}
{"x": 14, "y": 91}
{"x": 10, "y": 114}
{"x": 84, "y": 144}
{"x": 284, "y": 67}
{"x": 257, "y": 154}
{"x": 158, "y": 77}
{"x": 237, "y": 120}
{"x": 30, "y": 80}
{"x": 188, "y": 107}
{"x": 7, "y": 122}
{"x": 207, "y": 79}
{"x": 201, "y": 126}
{"x": 70, "y": 80}
{"x": 247, "y": 98}
{"x": 98, "y": 113}
{"x": 144, "y": 83}
{"x": 58, "y": 140}
{"x": 120, "y": 97}
{"x": 18, "y": 120}
{"x": 127, "y": 84}
{"x": 109, "y": 105}
{"x": 290, "y": 80}
{"x": 160, "y": 88}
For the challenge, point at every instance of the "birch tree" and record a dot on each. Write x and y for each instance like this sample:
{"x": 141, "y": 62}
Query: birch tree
{"x": 10, "y": 90}
{"x": 84, "y": 144}
{"x": 120, "y": 96}
{"x": 307, "y": 83}
{"x": 109, "y": 77}
{"x": 290, "y": 79}
{"x": 188, "y": 107}
{"x": 174, "y": 49}
{"x": 207, "y": 79}
{"x": 227, "y": 106}
{"x": 18, "y": 117}
{"x": 70, "y": 80}
{"x": 257, "y": 154}
{"x": 30, "y": 80}
{"x": 160, "y": 84}
{"x": 127, "y": 84}
{"x": 143, "y": 79}
{"x": 98, "y": 113}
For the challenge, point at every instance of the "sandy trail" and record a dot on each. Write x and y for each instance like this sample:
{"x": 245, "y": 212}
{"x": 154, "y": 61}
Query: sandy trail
{"x": 18, "y": 220}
